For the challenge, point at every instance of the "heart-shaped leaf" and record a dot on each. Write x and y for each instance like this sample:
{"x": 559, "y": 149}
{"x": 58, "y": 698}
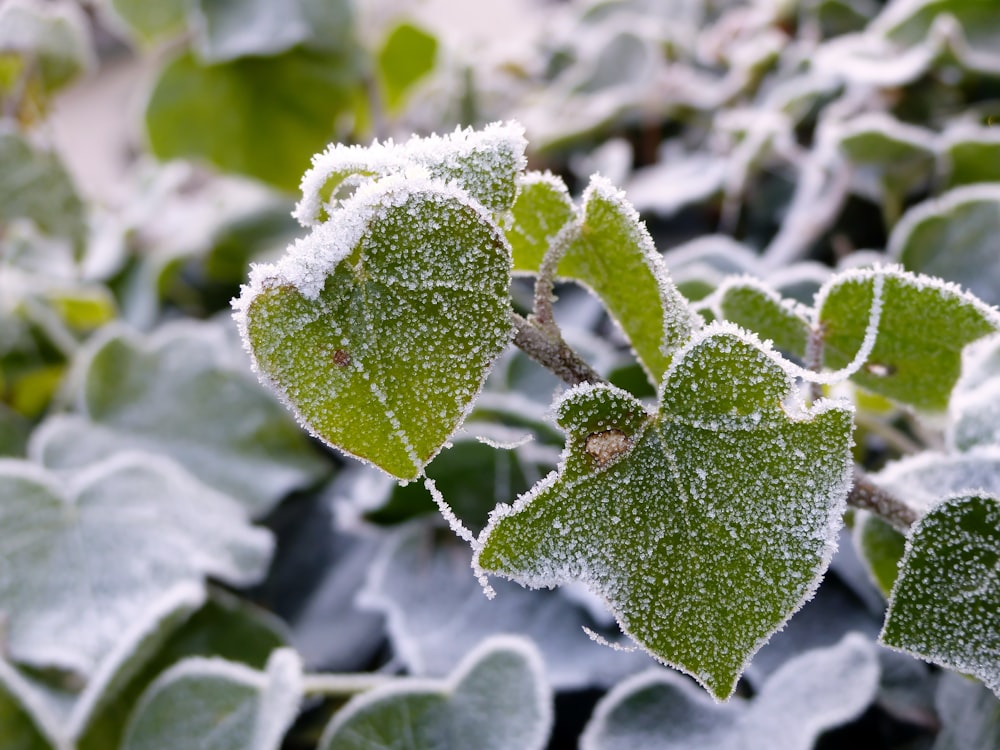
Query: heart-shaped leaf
{"x": 542, "y": 208}
{"x": 236, "y": 707}
{"x": 807, "y": 695}
{"x": 642, "y": 503}
{"x": 496, "y": 699}
{"x": 946, "y": 602}
{"x": 380, "y": 327}
{"x": 65, "y": 594}
{"x": 182, "y": 393}
{"x": 753, "y": 305}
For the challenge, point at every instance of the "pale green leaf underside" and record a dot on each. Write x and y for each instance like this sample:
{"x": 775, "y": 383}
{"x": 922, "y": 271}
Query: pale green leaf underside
{"x": 176, "y": 394}
{"x": 385, "y": 361}
{"x": 923, "y": 327}
{"x": 807, "y": 695}
{"x": 642, "y": 505}
{"x": 212, "y": 704}
{"x": 496, "y": 699}
{"x": 946, "y": 602}
{"x": 64, "y": 541}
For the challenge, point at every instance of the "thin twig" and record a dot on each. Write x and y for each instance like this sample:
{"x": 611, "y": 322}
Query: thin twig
{"x": 814, "y": 358}
{"x": 552, "y": 353}
{"x": 866, "y": 495}
{"x": 542, "y": 316}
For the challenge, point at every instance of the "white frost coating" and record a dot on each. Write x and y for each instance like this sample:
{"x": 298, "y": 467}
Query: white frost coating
{"x": 380, "y": 159}
{"x": 923, "y": 479}
{"x": 936, "y": 207}
{"x": 602, "y": 641}
{"x": 885, "y": 125}
{"x": 279, "y": 704}
{"x": 472, "y": 698}
{"x": 454, "y": 522}
{"x": 793, "y": 307}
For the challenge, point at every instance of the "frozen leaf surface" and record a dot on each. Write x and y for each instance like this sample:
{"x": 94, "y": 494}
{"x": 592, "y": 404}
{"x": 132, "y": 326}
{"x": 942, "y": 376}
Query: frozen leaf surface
{"x": 974, "y": 414}
{"x": 969, "y": 713}
{"x": 485, "y": 163}
{"x": 904, "y": 332}
{"x": 380, "y": 327}
{"x": 946, "y": 601}
{"x": 809, "y": 694}
{"x": 543, "y": 207}
{"x": 954, "y": 237}
{"x": 643, "y": 503}
{"x": 436, "y": 613}
{"x": 881, "y": 547}
{"x": 609, "y": 250}
{"x": 218, "y": 705}
{"x": 754, "y": 306}
{"x": 496, "y": 699}
{"x": 178, "y": 393}
{"x": 972, "y": 154}
{"x": 64, "y": 591}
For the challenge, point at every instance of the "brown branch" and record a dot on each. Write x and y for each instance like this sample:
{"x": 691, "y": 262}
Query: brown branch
{"x": 866, "y": 495}
{"x": 552, "y": 353}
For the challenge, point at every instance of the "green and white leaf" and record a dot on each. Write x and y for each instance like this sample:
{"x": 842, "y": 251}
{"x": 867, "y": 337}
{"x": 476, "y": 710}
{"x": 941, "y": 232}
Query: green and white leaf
{"x": 755, "y": 306}
{"x": 954, "y": 237}
{"x": 946, "y": 601}
{"x": 881, "y": 548}
{"x": 380, "y": 327}
{"x": 969, "y": 714}
{"x": 974, "y": 412}
{"x": 496, "y": 699}
{"x": 485, "y": 163}
{"x": 971, "y": 154}
{"x": 51, "y": 41}
{"x": 899, "y": 334}
{"x": 217, "y": 704}
{"x": 182, "y": 392}
{"x": 64, "y": 592}
{"x": 543, "y": 206}
{"x": 809, "y": 694}
{"x": 152, "y": 21}
{"x": 642, "y": 503}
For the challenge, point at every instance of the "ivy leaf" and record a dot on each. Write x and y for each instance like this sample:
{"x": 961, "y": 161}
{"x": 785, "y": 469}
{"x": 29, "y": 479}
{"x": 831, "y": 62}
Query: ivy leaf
{"x": 610, "y": 252}
{"x": 496, "y": 699}
{"x": 642, "y": 503}
{"x": 485, "y": 163}
{"x": 380, "y": 327}
{"x": 881, "y": 547}
{"x": 218, "y": 704}
{"x": 972, "y": 154}
{"x": 407, "y": 55}
{"x": 809, "y": 694}
{"x": 435, "y": 613}
{"x": 912, "y": 329}
{"x": 954, "y": 237}
{"x": 754, "y": 306}
{"x": 179, "y": 393}
{"x": 543, "y": 207}
{"x": 946, "y": 601}
{"x": 280, "y": 111}
{"x": 66, "y": 595}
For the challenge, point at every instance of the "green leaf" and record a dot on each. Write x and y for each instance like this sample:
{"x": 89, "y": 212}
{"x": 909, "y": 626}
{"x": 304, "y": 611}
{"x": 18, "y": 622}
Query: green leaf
{"x": 969, "y": 714}
{"x": 542, "y": 208}
{"x": 974, "y": 413}
{"x": 972, "y": 155}
{"x": 915, "y": 327}
{"x": 218, "y": 705}
{"x": 881, "y": 547}
{"x": 17, "y": 729}
{"x": 407, "y": 55}
{"x": 754, "y": 306}
{"x": 973, "y": 21}
{"x": 496, "y": 699}
{"x": 486, "y": 163}
{"x": 225, "y": 30}
{"x": 946, "y": 601}
{"x": 609, "y": 251}
{"x": 34, "y": 185}
{"x": 380, "y": 327}
{"x": 278, "y": 112}
{"x": 809, "y": 694}
{"x": 51, "y": 40}
{"x": 642, "y": 504}
{"x": 67, "y": 596}
{"x": 925, "y": 478}
{"x": 954, "y": 237}
{"x": 182, "y": 393}
{"x": 152, "y": 21}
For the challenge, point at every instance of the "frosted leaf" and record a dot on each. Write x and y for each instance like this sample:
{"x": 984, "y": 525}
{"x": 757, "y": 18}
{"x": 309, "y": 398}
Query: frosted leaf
{"x": 974, "y": 412}
{"x": 881, "y": 547}
{"x": 809, "y": 694}
{"x": 670, "y": 185}
{"x": 609, "y": 250}
{"x": 218, "y": 704}
{"x": 17, "y": 730}
{"x": 436, "y": 613}
{"x": 182, "y": 393}
{"x": 68, "y": 716}
{"x": 753, "y": 305}
{"x": 730, "y": 462}
{"x": 543, "y": 206}
{"x": 971, "y": 154}
{"x": 968, "y": 714}
{"x": 954, "y": 237}
{"x": 485, "y": 163}
{"x": 496, "y": 699}
{"x": 50, "y": 45}
{"x": 698, "y": 267}
{"x": 911, "y": 350}
{"x": 380, "y": 327}
{"x": 946, "y": 602}
{"x": 65, "y": 596}
{"x": 925, "y": 478}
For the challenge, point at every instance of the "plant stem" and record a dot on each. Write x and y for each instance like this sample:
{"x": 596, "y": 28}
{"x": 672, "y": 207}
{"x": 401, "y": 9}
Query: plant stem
{"x": 344, "y": 684}
{"x": 866, "y": 495}
{"x": 552, "y": 352}
{"x": 545, "y": 294}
